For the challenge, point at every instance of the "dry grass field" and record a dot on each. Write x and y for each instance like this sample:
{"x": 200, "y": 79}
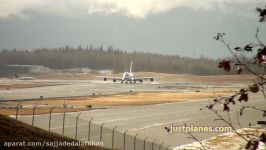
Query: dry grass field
{"x": 39, "y": 111}
{"x": 10, "y": 86}
{"x": 127, "y": 99}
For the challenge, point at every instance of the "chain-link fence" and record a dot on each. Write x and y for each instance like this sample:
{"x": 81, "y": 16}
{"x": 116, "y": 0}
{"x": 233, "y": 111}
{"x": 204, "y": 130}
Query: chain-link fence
{"x": 96, "y": 133}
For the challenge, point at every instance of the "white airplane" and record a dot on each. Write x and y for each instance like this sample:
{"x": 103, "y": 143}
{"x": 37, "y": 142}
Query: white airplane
{"x": 24, "y": 78}
{"x": 128, "y": 77}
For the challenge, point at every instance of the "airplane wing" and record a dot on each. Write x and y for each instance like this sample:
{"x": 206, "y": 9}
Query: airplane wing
{"x": 141, "y": 79}
{"x": 112, "y": 78}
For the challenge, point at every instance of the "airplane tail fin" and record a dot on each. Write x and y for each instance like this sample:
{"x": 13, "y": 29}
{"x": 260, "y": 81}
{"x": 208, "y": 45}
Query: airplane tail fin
{"x": 130, "y": 70}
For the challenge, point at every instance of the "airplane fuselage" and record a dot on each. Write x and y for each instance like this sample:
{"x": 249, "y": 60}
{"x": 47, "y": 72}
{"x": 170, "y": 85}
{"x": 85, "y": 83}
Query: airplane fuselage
{"x": 128, "y": 77}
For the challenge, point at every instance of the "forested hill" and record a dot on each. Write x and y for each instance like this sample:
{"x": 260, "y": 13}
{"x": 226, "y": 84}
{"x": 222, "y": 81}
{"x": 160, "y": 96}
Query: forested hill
{"x": 113, "y": 59}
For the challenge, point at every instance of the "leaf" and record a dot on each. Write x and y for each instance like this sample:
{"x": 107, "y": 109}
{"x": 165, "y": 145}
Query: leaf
{"x": 248, "y": 48}
{"x": 254, "y": 88}
{"x": 244, "y": 97}
{"x": 260, "y": 55}
{"x": 241, "y": 112}
{"x": 238, "y": 48}
{"x": 167, "y": 129}
{"x": 242, "y": 90}
{"x": 231, "y": 100}
{"x": 221, "y": 64}
{"x": 263, "y": 137}
{"x": 252, "y": 144}
{"x": 210, "y": 106}
{"x": 239, "y": 70}
{"x": 225, "y": 64}
{"x": 226, "y": 108}
{"x": 218, "y": 36}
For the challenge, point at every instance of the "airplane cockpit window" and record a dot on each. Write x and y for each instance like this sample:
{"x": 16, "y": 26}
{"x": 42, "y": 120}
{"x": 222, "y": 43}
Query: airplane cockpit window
{"x": 126, "y": 74}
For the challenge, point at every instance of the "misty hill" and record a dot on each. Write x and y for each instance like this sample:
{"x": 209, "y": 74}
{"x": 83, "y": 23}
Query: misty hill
{"x": 113, "y": 59}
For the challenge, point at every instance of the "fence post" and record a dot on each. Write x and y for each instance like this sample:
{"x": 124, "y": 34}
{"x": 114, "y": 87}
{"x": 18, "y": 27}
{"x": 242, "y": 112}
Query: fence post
{"x": 145, "y": 143}
{"x": 89, "y": 131}
{"x": 125, "y": 139}
{"x": 135, "y": 140}
{"x": 33, "y": 113}
{"x": 50, "y": 117}
{"x": 160, "y": 146}
{"x": 152, "y": 144}
{"x": 101, "y": 132}
{"x": 77, "y": 119}
{"x": 113, "y": 136}
{"x": 64, "y": 116}
{"x": 18, "y": 105}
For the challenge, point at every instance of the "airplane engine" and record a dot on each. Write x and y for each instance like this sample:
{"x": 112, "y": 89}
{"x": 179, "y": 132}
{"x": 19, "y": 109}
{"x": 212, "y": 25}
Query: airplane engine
{"x": 152, "y": 79}
{"x": 114, "y": 80}
{"x": 105, "y": 79}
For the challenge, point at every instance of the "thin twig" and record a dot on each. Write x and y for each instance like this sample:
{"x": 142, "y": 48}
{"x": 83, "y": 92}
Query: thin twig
{"x": 257, "y": 37}
{"x": 197, "y": 140}
{"x": 253, "y": 107}
{"x": 228, "y": 123}
{"x": 238, "y": 120}
{"x": 262, "y": 85}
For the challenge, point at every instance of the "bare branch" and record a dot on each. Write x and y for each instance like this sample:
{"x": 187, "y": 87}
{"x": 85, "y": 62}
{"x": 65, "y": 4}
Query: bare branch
{"x": 257, "y": 37}
{"x": 228, "y": 123}
{"x": 261, "y": 81}
{"x": 238, "y": 120}
{"x": 227, "y": 45}
{"x": 191, "y": 135}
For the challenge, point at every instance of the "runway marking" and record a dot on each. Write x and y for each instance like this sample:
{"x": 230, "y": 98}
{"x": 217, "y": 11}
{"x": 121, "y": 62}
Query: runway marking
{"x": 69, "y": 126}
{"x": 113, "y": 113}
{"x": 149, "y": 109}
{"x": 139, "y": 110}
{"x": 166, "y": 104}
{"x": 129, "y": 118}
{"x": 160, "y": 124}
{"x": 99, "y": 122}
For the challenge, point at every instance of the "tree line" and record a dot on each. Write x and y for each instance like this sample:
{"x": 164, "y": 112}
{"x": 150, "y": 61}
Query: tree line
{"x": 117, "y": 60}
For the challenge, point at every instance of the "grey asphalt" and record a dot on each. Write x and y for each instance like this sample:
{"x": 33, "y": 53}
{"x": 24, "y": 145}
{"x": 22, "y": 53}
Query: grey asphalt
{"x": 73, "y": 88}
{"x": 149, "y": 121}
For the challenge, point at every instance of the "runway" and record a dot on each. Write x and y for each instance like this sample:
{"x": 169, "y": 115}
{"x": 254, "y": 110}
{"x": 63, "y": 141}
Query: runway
{"x": 71, "y": 89}
{"x": 75, "y": 88}
{"x": 149, "y": 122}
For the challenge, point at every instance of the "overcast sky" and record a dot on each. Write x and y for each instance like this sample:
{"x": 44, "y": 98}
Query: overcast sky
{"x": 183, "y": 27}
